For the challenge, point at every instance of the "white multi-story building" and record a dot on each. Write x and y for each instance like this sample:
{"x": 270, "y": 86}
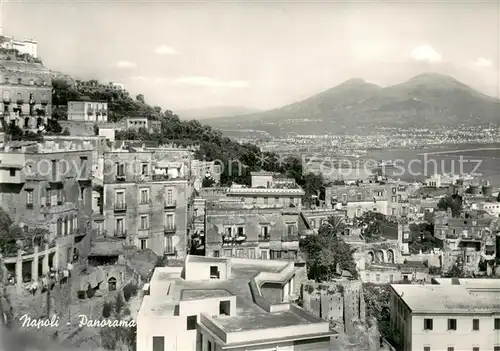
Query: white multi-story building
{"x": 452, "y": 315}
{"x": 215, "y": 304}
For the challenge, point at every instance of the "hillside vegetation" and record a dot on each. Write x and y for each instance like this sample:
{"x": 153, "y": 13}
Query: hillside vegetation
{"x": 238, "y": 160}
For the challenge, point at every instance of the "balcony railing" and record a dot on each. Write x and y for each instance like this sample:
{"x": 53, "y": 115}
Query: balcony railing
{"x": 233, "y": 240}
{"x": 121, "y": 233}
{"x": 120, "y": 177}
{"x": 293, "y": 237}
{"x": 264, "y": 237}
{"x": 170, "y": 229}
{"x": 20, "y": 101}
{"x": 44, "y": 102}
{"x": 160, "y": 177}
{"x": 6, "y": 100}
{"x": 120, "y": 207}
{"x": 170, "y": 204}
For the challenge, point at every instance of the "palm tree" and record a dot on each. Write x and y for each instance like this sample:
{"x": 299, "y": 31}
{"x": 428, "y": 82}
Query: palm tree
{"x": 332, "y": 227}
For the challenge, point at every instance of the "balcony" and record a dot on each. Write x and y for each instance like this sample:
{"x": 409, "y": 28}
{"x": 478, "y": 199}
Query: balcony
{"x": 233, "y": 240}
{"x": 44, "y": 102}
{"x": 293, "y": 237}
{"x": 146, "y": 203}
{"x": 6, "y": 100}
{"x": 264, "y": 238}
{"x": 120, "y": 177}
{"x": 20, "y": 102}
{"x": 170, "y": 229}
{"x": 120, "y": 207}
{"x": 32, "y": 102}
{"x": 120, "y": 233}
{"x": 170, "y": 204}
{"x": 160, "y": 177}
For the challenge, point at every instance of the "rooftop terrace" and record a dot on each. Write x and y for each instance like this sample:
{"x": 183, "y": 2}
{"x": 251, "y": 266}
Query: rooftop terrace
{"x": 447, "y": 299}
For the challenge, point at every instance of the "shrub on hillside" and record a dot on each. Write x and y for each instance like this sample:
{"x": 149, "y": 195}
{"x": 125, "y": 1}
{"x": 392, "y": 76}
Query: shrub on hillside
{"x": 107, "y": 309}
{"x": 129, "y": 290}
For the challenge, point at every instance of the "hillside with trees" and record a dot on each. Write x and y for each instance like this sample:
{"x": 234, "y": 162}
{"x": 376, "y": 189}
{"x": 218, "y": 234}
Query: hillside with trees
{"x": 238, "y": 160}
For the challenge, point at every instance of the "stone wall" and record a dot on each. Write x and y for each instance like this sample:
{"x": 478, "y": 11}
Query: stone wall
{"x": 342, "y": 303}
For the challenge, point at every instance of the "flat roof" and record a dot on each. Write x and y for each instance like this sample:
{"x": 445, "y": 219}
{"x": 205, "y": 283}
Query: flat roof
{"x": 449, "y": 299}
{"x": 199, "y": 294}
{"x": 253, "y": 321}
{"x": 237, "y": 285}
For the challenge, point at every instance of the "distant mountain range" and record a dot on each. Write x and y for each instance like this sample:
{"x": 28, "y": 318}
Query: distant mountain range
{"x": 216, "y": 111}
{"x": 428, "y": 100}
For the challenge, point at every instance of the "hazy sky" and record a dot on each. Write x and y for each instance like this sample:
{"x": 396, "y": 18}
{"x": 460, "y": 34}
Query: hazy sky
{"x": 258, "y": 54}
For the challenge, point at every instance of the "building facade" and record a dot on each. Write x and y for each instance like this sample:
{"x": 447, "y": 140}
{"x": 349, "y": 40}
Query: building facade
{"x": 453, "y": 314}
{"x": 49, "y": 186}
{"x": 147, "y": 209}
{"x": 26, "y": 90}
{"x": 88, "y": 111}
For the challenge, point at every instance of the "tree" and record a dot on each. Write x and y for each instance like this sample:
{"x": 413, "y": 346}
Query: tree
{"x": 140, "y": 98}
{"x": 452, "y": 202}
{"x": 377, "y": 302}
{"x": 118, "y": 338}
{"x": 422, "y": 238}
{"x": 207, "y": 182}
{"x": 312, "y": 184}
{"x": 374, "y": 224}
{"x": 327, "y": 254}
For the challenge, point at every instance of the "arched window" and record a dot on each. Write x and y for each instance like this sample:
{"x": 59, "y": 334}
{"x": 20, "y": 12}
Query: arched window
{"x": 71, "y": 222}
{"x": 112, "y": 284}
{"x": 59, "y": 226}
{"x": 66, "y": 222}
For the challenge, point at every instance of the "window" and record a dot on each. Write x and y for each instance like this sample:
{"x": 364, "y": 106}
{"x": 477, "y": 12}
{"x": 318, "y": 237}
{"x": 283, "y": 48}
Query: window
{"x": 19, "y": 81}
{"x": 32, "y": 82}
{"x": 377, "y": 277}
{"x": 112, "y": 284}
{"x": 169, "y": 221}
{"x": 497, "y": 323}
{"x": 394, "y": 198}
{"x": 144, "y": 245}
{"x": 496, "y": 348}
{"x": 144, "y": 221}
{"x": 313, "y": 223}
{"x": 358, "y": 196}
{"x": 251, "y": 253}
{"x": 119, "y": 226}
{"x": 394, "y": 190}
{"x": 239, "y": 253}
{"x": 228, "y": 253}
{"x": 120, "y": 199}
{"x": 144, "y": 196}
{"x": 12, "y": 172}
{"x": 44, "y": 83}
{"x": 158, "y": 343}
{"x": 290, "y": 229}
{"x": 276, "y": 200}
{"x": 214, "y": 272}
{"x": 427, "y": 348}
{"x": 451, "y": 348}
{"x": 241, "y": 231}
{"x": 428, "y": 324}
{"x": 29, "y": 198}
{"x": 254, "y": 200}
{"x": 475, "y": 349}
{"x": 391, "y": 279}
{"x": 191, "y": 322}
{"x": 265, "y": 231}
{"x": 266, "y": 200}
{"x": 170, "y": 196}
{"x": 225, "y": 308}
{"x": 475, "y": 324}
{"x": 169, "y": 244}
{"x": 144, "y": 169}
{"x": 120, "y": 170}
{"x": 452, "y": 324}
{"x": 59, "y": 226}
{"x": 216, "y": 253}
{"x": 209, "y": 346}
